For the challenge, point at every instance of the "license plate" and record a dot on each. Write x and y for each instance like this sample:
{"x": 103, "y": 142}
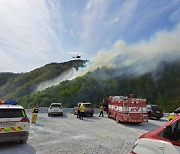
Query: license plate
{"x": 157, "y": 111}
{"x": 7, "y": 124}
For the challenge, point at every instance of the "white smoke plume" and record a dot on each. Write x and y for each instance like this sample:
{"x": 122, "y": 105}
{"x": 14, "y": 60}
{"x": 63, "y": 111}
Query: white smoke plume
{"x": 139, "y": 58}
{"x": 67, "y": 75}
{"x": 136, "y": 59}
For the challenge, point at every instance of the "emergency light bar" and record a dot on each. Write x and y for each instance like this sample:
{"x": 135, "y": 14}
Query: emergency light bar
{"x": 8, "y": 102}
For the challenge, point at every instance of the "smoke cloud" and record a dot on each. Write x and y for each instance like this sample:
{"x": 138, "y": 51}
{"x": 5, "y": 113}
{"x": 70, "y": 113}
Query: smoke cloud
{"x": 136, "y": 59}
{"x": 67, "y": 75}
{"x": 139, "y": 58}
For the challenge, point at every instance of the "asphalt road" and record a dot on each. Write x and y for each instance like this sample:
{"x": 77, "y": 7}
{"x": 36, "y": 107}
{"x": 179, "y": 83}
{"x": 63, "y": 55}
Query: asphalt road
{"x": 69, "y": 135}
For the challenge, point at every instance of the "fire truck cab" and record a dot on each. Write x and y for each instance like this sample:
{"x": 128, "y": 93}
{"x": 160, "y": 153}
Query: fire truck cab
{"x": 127, "y": 109}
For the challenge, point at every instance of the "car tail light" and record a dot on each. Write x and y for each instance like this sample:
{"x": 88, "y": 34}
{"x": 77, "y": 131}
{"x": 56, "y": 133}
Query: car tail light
{"x": 25, "y": 119}
{"x": 152, "y": 112}
{"x": 132, "y": 152}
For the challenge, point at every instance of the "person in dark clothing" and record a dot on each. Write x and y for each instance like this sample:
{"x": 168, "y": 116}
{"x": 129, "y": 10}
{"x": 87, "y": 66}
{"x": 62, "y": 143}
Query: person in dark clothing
{"x": 78, "y": 111}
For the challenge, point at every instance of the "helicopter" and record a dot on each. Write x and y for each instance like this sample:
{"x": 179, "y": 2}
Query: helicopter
{"x": 78, "y": 56}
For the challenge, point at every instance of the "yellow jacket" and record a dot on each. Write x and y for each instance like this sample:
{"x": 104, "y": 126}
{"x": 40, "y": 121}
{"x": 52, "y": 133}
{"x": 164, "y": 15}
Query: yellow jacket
{"x": 82, "y": 108}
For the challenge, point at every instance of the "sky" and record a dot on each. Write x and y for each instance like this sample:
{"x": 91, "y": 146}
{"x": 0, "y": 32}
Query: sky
{"x": 37, "y": 32}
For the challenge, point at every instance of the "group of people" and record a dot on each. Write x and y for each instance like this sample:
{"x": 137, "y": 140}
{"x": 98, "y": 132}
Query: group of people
{"x": 80, "y": 111}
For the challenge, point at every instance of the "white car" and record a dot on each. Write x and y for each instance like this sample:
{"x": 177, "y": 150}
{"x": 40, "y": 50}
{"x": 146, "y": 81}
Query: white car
{"x": 55, "y": 109}
{"x": 14, "y": 123}
{"x": 164, "y": 140}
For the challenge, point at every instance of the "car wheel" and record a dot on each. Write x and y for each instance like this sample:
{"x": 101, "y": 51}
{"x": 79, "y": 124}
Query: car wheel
{"x": 91, "y": 115}
{"x": 49, "y": 114}
{"x": 24, "y": 140}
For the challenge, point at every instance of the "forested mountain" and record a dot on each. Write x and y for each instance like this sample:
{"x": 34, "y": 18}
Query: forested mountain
{"x": 6, "y": 76}
{"x": 162, "y": 88}
{"x": 18, "y": 85}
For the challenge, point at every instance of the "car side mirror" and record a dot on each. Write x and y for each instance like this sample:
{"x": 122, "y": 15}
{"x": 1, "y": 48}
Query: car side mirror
{"x": 167, "y": 133}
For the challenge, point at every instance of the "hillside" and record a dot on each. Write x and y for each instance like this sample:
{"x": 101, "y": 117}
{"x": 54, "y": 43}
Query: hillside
{"x": 161, "y": 88}
{"x": 6, "y": 76}
{"x": 18, "y": 85}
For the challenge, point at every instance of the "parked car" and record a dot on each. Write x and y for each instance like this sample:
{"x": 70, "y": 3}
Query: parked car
{"x": 55, "y": 109}
{"x": 154, "y": 111}
{"x": 164, "y": 140}
{"x": 89, "y": 109}
{"x": 174, "y": 114}
{"x": 14, "y": 123}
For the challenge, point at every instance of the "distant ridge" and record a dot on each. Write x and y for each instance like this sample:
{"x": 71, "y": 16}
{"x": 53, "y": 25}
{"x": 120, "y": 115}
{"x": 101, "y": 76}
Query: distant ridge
{"x": 18, "y": 85}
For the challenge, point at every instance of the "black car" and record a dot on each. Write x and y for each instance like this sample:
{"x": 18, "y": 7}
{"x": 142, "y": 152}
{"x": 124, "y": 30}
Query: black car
{"x": 154, "y": 111}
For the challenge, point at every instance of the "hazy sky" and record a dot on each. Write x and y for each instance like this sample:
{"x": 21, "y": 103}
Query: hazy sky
{"x": 36, "y": 32}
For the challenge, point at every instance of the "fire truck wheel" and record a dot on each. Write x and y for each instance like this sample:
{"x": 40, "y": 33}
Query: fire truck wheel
{"x": 117, "y": 119}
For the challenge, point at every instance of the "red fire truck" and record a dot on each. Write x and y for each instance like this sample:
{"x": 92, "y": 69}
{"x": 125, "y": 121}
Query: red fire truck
{"x": 127, "y": 109}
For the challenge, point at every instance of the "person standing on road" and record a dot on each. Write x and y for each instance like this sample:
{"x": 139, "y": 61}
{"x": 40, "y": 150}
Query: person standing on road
{"x": 35, "y": 111}
{"x": 82, "y": 110}
{"x": 101, "y": 110}
{"x": 78, "y": 111}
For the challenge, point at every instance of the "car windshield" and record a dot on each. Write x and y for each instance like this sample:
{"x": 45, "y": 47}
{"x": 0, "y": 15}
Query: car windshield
{"x": 154, "y": 107}
{"x": 56, "y": 105}
{"x": 11, "y": 113}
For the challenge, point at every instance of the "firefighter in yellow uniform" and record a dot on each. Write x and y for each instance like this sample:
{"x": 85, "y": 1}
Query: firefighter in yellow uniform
{"x": 82, "y": 110}
{"x": 35, "y": 111}
{"x": 174, "y": 114}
